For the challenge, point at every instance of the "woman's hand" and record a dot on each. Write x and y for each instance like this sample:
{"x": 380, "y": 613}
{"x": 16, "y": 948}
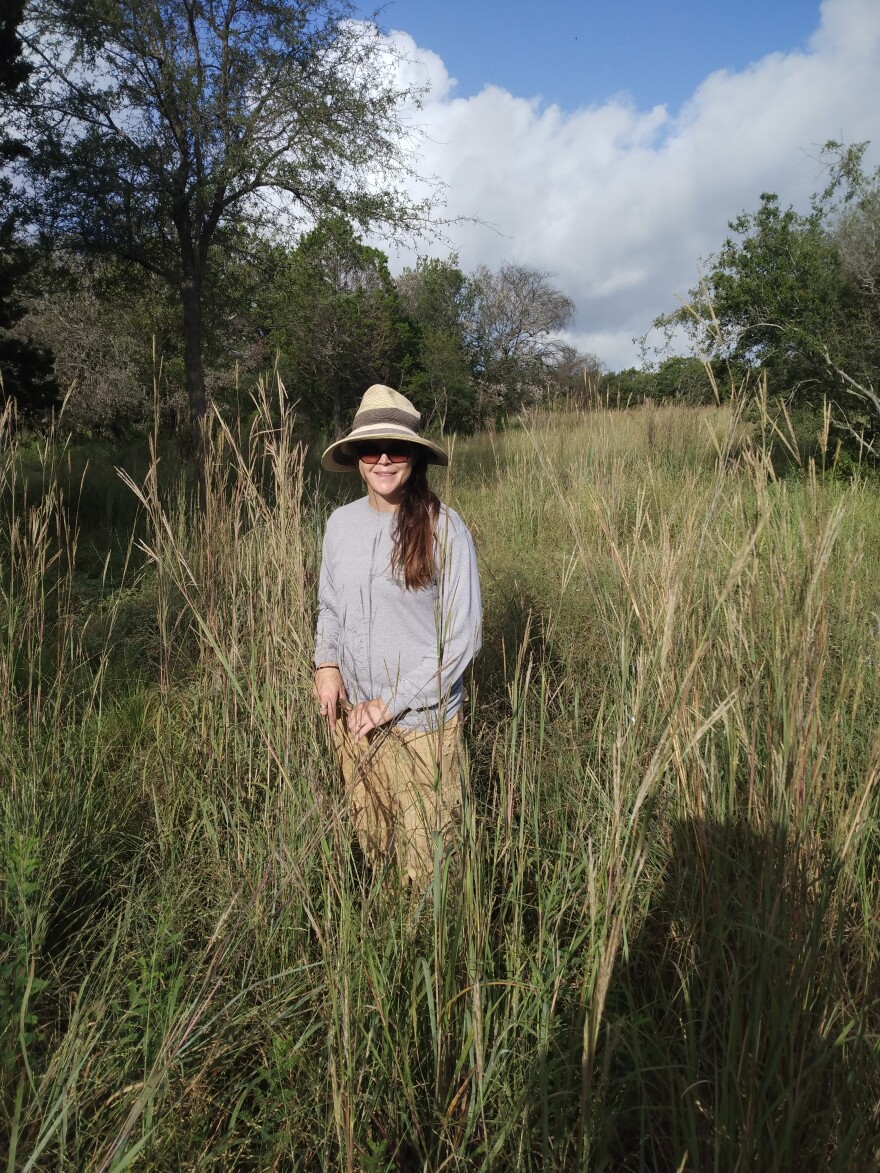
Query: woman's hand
{"x": 329, "y": 691}
{"x": 367, "y": 715}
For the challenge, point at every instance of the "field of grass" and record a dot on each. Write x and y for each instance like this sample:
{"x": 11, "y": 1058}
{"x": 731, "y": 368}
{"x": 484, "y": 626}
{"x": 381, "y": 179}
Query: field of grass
{"x": 657, "y": 946}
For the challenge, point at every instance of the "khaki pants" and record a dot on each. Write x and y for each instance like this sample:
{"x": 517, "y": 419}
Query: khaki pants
{"x": 404, "y": 789}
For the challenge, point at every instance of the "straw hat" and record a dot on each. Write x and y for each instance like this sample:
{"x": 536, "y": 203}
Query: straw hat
{"x": 383, "y": 414}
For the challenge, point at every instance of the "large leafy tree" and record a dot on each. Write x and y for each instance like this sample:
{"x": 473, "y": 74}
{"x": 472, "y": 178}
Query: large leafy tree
{"x": 157, "y": 127}
{"x": 339, "y": 323}
{"x": 439, "y": 298}
{"x": 775, "y": 296}
{"x": 797, "y": 296}
{"x": 25, "y": 368}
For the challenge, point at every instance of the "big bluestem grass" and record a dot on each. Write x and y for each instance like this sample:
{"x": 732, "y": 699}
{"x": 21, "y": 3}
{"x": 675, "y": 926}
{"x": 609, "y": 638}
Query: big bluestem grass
{"x": 655, "y": 945}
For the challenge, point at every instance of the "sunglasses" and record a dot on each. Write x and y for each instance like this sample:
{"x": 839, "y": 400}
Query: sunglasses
{"x": 397, "y": 451}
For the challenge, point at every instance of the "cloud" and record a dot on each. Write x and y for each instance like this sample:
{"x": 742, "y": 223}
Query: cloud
{"x": 620, "y": 203}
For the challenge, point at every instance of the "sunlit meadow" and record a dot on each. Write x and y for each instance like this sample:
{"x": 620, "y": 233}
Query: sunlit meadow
{"x": 656, "y": 945}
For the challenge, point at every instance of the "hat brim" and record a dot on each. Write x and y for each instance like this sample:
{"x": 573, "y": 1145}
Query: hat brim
{"x": 342, "y": 457}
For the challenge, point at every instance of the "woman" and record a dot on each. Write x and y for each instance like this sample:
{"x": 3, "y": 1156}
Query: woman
{"x": 399, "y": 620}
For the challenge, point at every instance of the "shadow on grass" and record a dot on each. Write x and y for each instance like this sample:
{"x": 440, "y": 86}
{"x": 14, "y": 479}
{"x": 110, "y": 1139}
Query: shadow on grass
{"x": 738, "y": 1027}
{"x": 517, "y": 641}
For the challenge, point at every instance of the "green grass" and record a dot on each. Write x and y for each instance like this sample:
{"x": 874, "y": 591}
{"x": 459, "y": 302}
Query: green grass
{"x": 657, "y": 945}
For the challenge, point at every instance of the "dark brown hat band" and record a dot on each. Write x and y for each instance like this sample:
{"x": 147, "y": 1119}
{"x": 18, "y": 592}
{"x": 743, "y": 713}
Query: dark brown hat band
{"x": 386, "y": 415}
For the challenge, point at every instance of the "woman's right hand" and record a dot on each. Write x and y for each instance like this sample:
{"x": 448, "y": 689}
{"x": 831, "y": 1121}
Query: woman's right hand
{"x": 329, "y": 691}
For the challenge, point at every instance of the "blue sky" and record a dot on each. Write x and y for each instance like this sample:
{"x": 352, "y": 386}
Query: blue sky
{"x": 609, "y": 143}
{"x": 579, "y": 54}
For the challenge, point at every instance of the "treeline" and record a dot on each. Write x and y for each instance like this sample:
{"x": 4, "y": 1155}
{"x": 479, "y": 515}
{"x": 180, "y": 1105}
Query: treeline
{"x": 187, "y": 191}
{"x": 469, "y": 348}
{"x": 190, "y": 190}
{"x": 795, "y": 297}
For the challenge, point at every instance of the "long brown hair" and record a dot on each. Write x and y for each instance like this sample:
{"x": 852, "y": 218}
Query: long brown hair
{"x": 412, "y": 557}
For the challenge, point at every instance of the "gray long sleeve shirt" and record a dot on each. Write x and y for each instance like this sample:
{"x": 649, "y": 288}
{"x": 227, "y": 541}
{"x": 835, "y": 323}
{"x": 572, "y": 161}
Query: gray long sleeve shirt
{"x": 410, "y": 648}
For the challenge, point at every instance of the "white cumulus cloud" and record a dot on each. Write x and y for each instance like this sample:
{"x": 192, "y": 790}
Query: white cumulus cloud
{"x": 620, "y": 203}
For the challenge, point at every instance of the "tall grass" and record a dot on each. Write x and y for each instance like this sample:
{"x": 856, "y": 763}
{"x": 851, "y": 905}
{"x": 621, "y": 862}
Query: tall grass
{"x": 656, "y": 944}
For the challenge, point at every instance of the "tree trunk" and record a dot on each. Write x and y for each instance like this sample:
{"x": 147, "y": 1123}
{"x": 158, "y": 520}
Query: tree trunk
{"x": 191, "y": 300}
{"x": 191, "y": 303}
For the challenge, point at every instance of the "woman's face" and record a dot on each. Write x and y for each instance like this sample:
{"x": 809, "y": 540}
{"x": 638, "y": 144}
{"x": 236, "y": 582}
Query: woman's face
{"x": 385, "y": 478}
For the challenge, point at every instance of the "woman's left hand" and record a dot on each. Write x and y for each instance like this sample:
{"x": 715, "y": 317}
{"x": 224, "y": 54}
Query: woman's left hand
{"x": 367, "y": 715}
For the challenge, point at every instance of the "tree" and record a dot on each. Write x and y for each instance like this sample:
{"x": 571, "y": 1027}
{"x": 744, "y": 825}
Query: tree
{"x": 157, "y": 127}
{"x": 576, "y": 375}
{"x": 684, "y": 380}
{"x": 439, "y": 298}
{"x": 798, "y": 296}
{"x": 25, "y": 368}
{"x": 104, "y": 368}
{"x": 858, "y": 239}
{"x": 778, "y": 296}
{"x": 516, "y": 316}
{"x": 339, "y": 323}
{"x": 856, "y": 231}
{"x": 106, "y": 334}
